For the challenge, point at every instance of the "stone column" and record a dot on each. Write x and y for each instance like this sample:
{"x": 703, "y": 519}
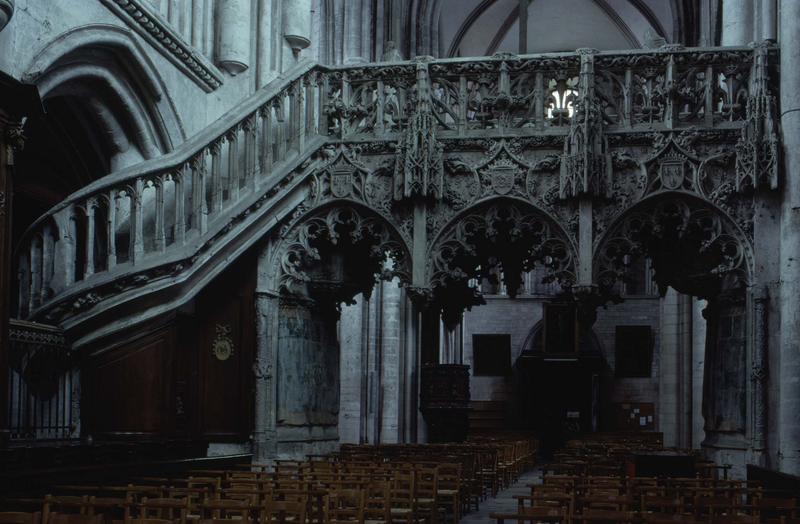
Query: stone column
{"x": 391, "y": 363}
{"x": 769, "y": 20}
{"x": 737, "y": 22}
{"x": 351, "y": 388}
{"x": 698, "y": 366}
{"x": 267, "y": 27}
{"x": 297, "y": 24}
{"x": 233, "y": 26}
{"x": 16, "y": 100}
{"x": 265, "y": 440}
{"x": 759, "y": 367}
{"x": 669, "y": 376}
{"x": 353, "y": 32}
{"x": 789, "y": 396}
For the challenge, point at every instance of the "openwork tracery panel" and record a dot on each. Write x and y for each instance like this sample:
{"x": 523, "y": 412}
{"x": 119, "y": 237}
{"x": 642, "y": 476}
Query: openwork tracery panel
{"x": 694, "y": 247}
{"x": 504, "y": 235}
{"x": 342, "y": 248}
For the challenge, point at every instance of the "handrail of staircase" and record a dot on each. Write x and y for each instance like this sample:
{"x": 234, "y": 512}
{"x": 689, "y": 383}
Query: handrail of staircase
{"x": 86, "y": 233}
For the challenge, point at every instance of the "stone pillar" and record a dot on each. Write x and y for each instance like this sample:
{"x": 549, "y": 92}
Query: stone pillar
{"x": 353, "y": 32}
{"x": 16, "y": 100}
{"x": 669, "y": 376}
{"x": 769, "y": 20}
{"x": 297, "y": 24}
{"x": 789, "y": 397}
{"x": 352, "y": 379}
{"x": 758, "y": 374}
{"x": 307, "y": 379}
{"x": 698, "y": 366}
{"x": 391, "y": 362}
{"x": 233, "y": 27}
{"x": 685, "y": 389}
{"x": 708, "y": 22}
{"x": 737, "y": 22}
{"x": 266, "y": 36}
{"x": 264, "y": 433}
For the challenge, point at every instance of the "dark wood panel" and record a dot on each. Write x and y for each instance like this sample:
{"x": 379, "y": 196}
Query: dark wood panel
{"x": 225, "y": 321}
{"x": 165, "y": 379}
{"x": 126, "y": 389}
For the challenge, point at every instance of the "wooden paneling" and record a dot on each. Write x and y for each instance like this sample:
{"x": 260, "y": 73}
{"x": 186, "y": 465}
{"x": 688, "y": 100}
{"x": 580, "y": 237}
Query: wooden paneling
{"x": 126, "y": 389}
{"x": 167, "y": 381}
{"x": 226, "y": 310}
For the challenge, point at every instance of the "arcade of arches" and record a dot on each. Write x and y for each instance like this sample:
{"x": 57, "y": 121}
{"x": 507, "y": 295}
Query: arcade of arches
{"x": 274, "y": 227}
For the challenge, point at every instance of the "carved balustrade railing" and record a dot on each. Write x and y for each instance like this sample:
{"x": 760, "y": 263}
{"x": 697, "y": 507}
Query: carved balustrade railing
{"x": 171, "y": 204}
{"x": 668, "y": 88}
{"x": 126, "y": 219}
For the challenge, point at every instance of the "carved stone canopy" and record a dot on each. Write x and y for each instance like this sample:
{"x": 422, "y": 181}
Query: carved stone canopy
{"x": 505, "y": 237}
{"x": 336, "y": 253}
{"x": 693, "y": 248}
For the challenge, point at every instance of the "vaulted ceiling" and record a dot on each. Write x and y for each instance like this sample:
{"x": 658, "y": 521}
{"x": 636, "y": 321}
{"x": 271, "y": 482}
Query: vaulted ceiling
{"x": 484, "y": 27}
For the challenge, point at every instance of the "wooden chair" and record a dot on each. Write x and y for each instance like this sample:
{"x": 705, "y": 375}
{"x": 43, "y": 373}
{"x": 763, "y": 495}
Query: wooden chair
{"x": 163, "y": 508}
{"x": 775, "y": 507}
{"x": 345, "y": 506}
{"x": 735, "y": 519}
{"x": 283, "y": 512}
{"x": 20, "y": 517}
{"x": 660, "y": 504}
{"x": 426, "y": 496}
{"x": 448, "y": 490}
{"x": 226, "y": 509}
{"x": 606, "y": 515}
{"x": 402, "y": 495}
{"x": 64, "y": 504}
{"x": 66, "y": 518}
{"x": 108, "y": 507}
{"x": 533, "y": 515}
{"x": 668, "y": 518}
{"x": 377, "y": 505}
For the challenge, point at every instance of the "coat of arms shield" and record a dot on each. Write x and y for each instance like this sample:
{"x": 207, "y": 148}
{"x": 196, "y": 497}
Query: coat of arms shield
{"x": 341, "y": 182}
{"x": 502, "y": 178}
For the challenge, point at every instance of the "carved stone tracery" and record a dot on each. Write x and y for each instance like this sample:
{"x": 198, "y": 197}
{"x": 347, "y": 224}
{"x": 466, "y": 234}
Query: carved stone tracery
{"x": 504, "y": 236}
{"x": 693, "y": 247}
{"x": 334, "y": 253}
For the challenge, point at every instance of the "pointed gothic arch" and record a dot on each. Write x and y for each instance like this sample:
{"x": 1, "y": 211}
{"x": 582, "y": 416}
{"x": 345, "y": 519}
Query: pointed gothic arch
{"x": 335, "y": 251}
{"x": 500, "y": 233}
{"x": 695, "y": 247}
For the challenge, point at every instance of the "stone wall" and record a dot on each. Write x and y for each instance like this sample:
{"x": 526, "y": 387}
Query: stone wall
{"x": 518, "y": 317}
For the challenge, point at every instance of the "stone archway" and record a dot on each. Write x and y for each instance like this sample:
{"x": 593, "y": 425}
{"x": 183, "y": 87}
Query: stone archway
{"x": 698, "y": 250}
{"x": 324, "y": 258}
{"x": 503, "y": 234}
{"x": 695, "y": 248}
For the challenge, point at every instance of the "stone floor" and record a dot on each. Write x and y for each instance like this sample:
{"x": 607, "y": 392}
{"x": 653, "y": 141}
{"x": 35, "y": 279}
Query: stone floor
{"x": 504, "y": 502}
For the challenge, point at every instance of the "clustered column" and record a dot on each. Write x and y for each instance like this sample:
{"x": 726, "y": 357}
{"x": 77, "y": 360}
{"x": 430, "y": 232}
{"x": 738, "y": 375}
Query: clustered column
{"x": 789, "y": 396}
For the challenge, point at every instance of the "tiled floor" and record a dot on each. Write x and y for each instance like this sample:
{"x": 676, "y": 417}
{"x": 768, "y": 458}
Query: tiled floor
{"x": 504, "y": 502}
